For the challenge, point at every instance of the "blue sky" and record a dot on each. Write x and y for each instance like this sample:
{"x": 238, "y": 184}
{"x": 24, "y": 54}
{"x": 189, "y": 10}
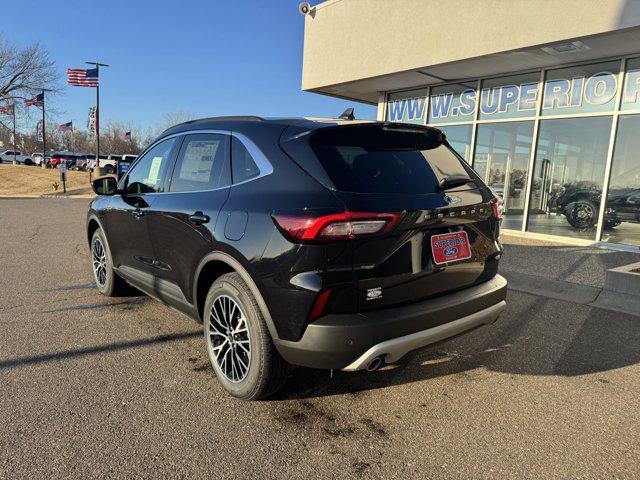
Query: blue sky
{"x": 204, "y": 57}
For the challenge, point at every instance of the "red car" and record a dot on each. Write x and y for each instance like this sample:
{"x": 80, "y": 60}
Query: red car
{"x": 57, "y": 158}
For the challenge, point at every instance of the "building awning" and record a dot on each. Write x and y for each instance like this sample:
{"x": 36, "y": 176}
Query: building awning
{"x": 355, "y": 49}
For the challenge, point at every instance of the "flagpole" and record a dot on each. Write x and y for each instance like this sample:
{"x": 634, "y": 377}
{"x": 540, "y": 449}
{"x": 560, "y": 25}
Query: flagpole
{"x": 14, "y": 134}
{"x": 96, "y": 167}
{"x": 97, "y": 118}
{"x": 44, "y": 135}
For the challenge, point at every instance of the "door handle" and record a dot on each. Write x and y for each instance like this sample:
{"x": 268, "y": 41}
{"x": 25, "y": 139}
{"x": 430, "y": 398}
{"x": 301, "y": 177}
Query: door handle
{"x": 199, "y": 218}
{"x": 138, "y": 214}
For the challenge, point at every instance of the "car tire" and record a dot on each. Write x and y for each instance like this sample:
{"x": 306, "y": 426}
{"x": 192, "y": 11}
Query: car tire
{"x": 582, "y": 214}
{"x": 107, "y": 281}
{"x": 248, "y": 374}
{"x": 108, "y": 170}
{"x": 28, "y": 162}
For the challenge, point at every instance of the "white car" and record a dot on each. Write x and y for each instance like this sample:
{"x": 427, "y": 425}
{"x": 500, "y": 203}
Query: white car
{"x": 38, "y": 157}
{"x": 9, "y": 155}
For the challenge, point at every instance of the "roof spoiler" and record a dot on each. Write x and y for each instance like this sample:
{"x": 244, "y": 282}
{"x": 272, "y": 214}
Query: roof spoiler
{"x": 348, "y": 114}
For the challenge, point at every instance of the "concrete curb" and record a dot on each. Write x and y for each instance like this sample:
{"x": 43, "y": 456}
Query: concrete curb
{"x": 624, "y": 279}
{"x": 551, "y": 288}
{"x": 573, "y": 292}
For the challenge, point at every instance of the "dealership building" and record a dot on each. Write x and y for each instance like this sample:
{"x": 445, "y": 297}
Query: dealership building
{"x": 542, "y": 97}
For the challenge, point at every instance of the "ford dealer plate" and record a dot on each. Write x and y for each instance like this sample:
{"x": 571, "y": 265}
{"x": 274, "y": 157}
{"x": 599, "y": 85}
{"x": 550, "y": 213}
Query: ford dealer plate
{"x": 450, "y": 247}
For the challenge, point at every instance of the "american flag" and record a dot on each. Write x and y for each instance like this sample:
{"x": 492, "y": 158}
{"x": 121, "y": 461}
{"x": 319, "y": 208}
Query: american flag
{"x": 82, "y": 78}
{"x": 38, "y": 101}
{"x": 8, "y": 110}
{"x": 65, "y": 127}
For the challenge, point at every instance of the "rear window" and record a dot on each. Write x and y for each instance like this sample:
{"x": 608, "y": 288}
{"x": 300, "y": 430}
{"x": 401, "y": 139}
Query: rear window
{"x": 375, "y": 159}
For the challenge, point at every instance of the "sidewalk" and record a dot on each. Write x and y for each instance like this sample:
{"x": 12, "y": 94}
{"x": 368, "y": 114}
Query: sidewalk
{"x": 568, "y": 273}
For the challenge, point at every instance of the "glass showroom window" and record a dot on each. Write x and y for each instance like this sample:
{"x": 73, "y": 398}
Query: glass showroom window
{"x": 568, "y": 176}
{"x": 454, "y": 103}
{"x": 501, "y": 159}
{"x": 622, "y": 213}
{"x": 459, "y": 137}
{"x": 515, "y": 96}
{"x": 581, "y": 89}
{"x": 408, "y": 107}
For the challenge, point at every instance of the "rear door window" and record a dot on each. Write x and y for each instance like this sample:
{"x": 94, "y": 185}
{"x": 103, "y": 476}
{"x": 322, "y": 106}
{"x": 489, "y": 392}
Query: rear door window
{"x": 375, "y": 160}
{"x": 203, "y": 163}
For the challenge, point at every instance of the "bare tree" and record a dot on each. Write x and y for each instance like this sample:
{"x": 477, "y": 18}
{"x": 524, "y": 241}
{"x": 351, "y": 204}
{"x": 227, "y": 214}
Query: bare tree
{"x": 24, "y": 71}
{"x": 174, "y": 118}
{"x": 117, "y": 143}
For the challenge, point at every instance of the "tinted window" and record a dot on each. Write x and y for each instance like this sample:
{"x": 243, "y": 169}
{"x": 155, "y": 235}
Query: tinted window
{"x": 376, "y": 160}
{"x": 146, "y": 176}
{"x": 244, "y": 167}
{"x": 202, "y": 163}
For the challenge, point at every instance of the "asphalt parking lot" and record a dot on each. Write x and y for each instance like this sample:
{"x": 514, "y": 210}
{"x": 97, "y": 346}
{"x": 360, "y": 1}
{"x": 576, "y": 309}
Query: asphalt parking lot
{"x": 97, "y": 387}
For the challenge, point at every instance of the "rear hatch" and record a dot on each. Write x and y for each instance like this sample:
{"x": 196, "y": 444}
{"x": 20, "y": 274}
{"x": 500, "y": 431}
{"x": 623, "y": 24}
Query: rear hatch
{"x": 445, "y": 227}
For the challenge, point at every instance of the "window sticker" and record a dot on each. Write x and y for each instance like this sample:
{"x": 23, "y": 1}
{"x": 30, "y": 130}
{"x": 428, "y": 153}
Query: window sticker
{"x": 154, "y": 171}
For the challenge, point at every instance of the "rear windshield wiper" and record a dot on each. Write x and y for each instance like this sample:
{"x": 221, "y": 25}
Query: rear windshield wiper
{"x": 447, "y": 183}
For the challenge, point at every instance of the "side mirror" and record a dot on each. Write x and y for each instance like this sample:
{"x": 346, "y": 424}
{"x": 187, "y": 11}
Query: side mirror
{"x": 105, "y": 185}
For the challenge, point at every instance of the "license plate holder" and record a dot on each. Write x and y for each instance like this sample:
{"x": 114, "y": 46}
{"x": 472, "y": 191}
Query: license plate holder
{"x": 450, "y": 247}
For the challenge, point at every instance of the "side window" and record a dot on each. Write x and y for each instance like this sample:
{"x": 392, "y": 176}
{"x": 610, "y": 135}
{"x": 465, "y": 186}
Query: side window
{"x": 147, "y": 174}
{"x": 203, "y": 163}
{"x": 243, "y": 166}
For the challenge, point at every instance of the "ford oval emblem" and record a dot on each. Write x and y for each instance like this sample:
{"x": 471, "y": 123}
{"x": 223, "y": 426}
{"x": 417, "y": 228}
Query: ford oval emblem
{"x": 452, "y": 199}
{"x": 450, "y": 251}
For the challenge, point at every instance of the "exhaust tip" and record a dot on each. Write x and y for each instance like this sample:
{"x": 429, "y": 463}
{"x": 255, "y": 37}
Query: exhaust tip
{"x": 374, "y": 364}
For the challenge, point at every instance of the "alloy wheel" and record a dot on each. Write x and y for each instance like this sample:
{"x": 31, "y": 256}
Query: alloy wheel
{"x": 584, "y": 215}
{"x": 99, "y": 258}
{"x": 228, "y": 338}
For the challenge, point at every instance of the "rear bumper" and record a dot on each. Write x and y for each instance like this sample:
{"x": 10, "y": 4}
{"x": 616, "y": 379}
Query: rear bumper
{"x": 351, "y": 341}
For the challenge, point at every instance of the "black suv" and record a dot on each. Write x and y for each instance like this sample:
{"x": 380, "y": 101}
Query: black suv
{"x": 331, "y": 244}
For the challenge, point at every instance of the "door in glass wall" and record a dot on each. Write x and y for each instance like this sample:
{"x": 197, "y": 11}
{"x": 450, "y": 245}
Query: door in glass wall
{"x": 459, "y": 137}
{"x": 568, "y": 176}
{"x": 622, "y": 212}
{"x": 502, "y": 159}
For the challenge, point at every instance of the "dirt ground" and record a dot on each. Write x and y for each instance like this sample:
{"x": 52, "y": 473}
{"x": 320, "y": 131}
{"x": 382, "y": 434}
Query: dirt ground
{"x": 32, "y": 181}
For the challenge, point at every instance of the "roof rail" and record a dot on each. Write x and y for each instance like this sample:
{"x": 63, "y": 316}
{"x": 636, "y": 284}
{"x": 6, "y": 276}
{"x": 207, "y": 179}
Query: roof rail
{"x": 251, "y": 118}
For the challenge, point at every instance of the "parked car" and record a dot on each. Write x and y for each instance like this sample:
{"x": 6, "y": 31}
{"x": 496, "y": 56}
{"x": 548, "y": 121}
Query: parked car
{"x": 8, "y": 156}
{"x": 330, "y": 244}
{"x": 580, "y": 204}
{"x": 37, "y": 157}
{"x": 59, "y": 157}
{"x": 109, "y": 164}
{"x": 80, "y": 162}
{"x": 622, "y": 206}
{"x": 124, "y": 164}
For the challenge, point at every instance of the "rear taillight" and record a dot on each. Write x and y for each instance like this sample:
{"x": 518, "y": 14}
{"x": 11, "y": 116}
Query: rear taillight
{"x": 314, "y": 227}
{"x": 498, "y": 208}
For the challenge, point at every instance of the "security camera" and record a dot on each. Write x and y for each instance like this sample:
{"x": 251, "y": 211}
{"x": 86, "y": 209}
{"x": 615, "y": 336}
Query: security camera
{"x": 304, "y": 8}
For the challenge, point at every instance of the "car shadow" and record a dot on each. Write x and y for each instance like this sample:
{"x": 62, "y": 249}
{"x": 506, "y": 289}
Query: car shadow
{"x": 82, "y": 352}
{"x": 535, "y": 336}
